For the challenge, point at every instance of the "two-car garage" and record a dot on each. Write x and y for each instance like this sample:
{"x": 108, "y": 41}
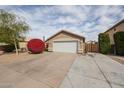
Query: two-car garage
{"x": 65, "y": 46}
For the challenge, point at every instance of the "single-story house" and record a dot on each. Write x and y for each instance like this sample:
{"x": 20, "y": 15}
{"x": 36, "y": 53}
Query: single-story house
{"x": 65, "y": 41}
{"x": 23, "y": 43}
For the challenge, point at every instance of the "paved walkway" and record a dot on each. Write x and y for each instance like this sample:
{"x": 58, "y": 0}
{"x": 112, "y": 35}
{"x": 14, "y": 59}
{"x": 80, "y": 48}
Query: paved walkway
{"x": 94, "y": 70}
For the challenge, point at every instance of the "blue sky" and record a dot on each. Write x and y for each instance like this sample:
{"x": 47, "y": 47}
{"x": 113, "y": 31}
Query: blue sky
{"x": 88, "y": 21}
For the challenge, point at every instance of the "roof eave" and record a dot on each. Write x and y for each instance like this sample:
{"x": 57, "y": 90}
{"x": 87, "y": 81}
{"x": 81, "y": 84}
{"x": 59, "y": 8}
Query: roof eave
{"x": 65, "y": 32}
{"x": 115, "y": 25}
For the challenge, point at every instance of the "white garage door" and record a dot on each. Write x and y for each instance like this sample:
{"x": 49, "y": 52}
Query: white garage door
{"x": 65, "y": 46}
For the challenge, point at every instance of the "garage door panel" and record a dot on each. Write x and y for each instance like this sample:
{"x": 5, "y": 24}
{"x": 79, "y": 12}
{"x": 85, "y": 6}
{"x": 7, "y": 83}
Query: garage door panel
{"x": 65, "y": 46}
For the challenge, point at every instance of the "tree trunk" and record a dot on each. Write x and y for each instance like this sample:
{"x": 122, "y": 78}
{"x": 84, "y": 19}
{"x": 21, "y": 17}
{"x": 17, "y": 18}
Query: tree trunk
{"x": 17, "y": 52}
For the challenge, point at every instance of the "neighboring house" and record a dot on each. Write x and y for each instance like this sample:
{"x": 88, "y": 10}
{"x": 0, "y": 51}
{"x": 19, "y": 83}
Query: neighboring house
{"x": 23, "y": 43}
{"x": 65, "y": 41}
{"x": 116, "y": 28}
{"x": 111, "y": 31}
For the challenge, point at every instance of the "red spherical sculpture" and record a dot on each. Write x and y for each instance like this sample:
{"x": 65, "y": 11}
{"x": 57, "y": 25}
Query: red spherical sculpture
{"x": 36, "y": 46}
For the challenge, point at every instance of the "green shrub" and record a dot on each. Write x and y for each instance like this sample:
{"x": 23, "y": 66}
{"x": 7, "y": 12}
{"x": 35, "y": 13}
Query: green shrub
{"x": 104, "y": 43}
{"x": 8, "y": 48}
{"x": 119, "y": 42}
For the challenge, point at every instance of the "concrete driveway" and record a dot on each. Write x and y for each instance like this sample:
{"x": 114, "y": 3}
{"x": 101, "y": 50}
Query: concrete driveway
{"x": 94, "y": 70}
{"x": 60, "y": 70}
{"x": 27, "y": 70}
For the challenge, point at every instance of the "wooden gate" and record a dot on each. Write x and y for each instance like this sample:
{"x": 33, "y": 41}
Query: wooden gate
{"x": 91, "y": 46}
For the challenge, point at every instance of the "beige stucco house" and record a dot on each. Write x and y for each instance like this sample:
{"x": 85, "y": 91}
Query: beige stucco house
{"x": 65, "y": 41}
{"x": 23, "y": 43}
{"x": 116, "y": 28}
{"x": 119, "y": 27}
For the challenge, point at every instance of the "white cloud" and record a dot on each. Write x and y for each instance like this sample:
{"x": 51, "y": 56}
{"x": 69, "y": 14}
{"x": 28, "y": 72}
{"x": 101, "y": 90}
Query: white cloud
{"x": 85, "y": 20}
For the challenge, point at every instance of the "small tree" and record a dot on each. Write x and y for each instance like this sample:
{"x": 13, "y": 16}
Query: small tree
{"x": 104, "y": 43}
{"x": 11, "y": 27}
{"x": 119, "y": 42}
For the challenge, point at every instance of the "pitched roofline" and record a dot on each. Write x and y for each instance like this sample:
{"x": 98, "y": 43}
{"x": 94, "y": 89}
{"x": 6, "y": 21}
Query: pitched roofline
{"x": 115, "y": 25}
{"x": 65, "y": 32}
